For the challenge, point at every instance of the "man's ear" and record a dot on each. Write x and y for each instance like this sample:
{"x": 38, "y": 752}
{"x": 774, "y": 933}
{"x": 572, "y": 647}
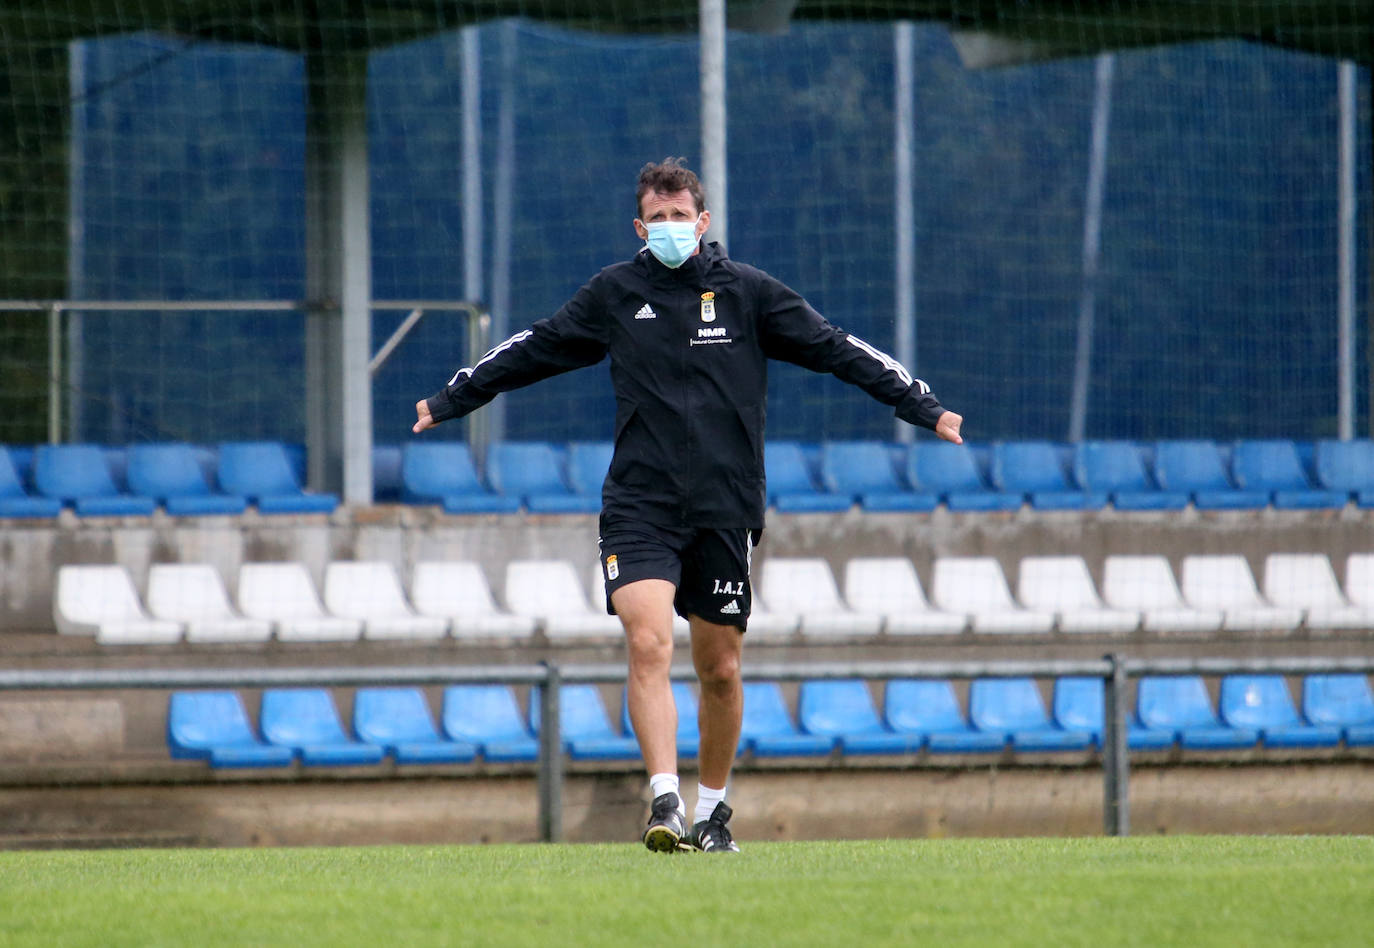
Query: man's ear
{"x": 641, "y": 230}
{"x": 704, "y": 224}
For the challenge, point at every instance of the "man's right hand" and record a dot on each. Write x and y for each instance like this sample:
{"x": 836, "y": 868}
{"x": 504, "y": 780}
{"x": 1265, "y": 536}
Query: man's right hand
{"x": 425, "y": 420}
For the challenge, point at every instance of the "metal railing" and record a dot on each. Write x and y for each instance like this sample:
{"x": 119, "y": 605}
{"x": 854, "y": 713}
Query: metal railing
{"x": 1114, "y": 670}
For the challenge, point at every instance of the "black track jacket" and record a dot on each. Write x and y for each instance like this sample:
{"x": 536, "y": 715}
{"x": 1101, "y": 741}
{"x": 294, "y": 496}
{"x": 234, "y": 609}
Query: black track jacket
{"x": 689, "y": 350}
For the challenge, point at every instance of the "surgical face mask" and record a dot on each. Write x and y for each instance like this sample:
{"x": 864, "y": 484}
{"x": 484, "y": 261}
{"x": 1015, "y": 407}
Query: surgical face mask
{"x": 672, "y": 242}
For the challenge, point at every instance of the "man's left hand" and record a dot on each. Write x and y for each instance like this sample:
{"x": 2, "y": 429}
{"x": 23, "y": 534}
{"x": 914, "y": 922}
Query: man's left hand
{"x": 947, "y": 426}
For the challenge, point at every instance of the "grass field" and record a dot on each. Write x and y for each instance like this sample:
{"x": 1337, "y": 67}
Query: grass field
{"x": 1143, "y": 891}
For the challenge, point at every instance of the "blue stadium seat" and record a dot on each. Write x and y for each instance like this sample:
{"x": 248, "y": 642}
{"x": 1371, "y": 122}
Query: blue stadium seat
{"x": 1343, "y": 701}
{"x": 263, "y": 472}
{"x": 930, "y": 708}
{"x": 864, "y": 471}
{"x": 398, "y": 720}
{"x": 588, "y": 464}
{"x": 1036, "y": 469}
{"x": 170, "y": 473}
{"x": 844, "y": 710}
{"x": 488, "y": 716}
{"x": 79, "y": 474}
{"x": 305, "y": 719}
{"x": 531, "y": 470}
{"x": 1262, "y": 702}
{"x": 1273, "y": 465}
{"x": 1013, "y": 707}
{"x": 1118, "y": 469}
{"x": 214, "y": 726}
{"x": 688, "y": 732}
{"x": 386, "y": 473}
{"x": 767, "y": 729}
{"x": 952, "y": 472}
{"x": 1198, "y": 468}
{"x": 442, "y": 472}
{"x": 1078, "y": 706}
{"x": 791, "y": 488}
{"x": 1180, "y": 703}
{"x": 584, "y": 725}
{"x": 15, "y": 501}
{"x": 1346, "y": 466}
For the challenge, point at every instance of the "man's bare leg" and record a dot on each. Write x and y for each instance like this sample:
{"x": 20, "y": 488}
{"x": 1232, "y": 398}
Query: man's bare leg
{"x": 716, "y": 651}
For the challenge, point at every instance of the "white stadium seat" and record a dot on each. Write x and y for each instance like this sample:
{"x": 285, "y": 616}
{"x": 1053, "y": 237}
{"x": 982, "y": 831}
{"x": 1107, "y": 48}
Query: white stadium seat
{"x": 888, "y": 587}
{"x": 194, "y": 593}
{"x": 284, "y": 594}
{"x": 458, "y": 592}
{"x": 807, "y": 586}
{"x": 1359, "y": 579}
{"x": 1146, "y": 583}
{"x": 1306, "y": 581}
{"x": 1063, "y": 585}
{"x": 1225, "y": 582}
{"x": 975, "y": 585}
{"x": 102, "y": 601}
{"x": 371, "y": 591}
{"x": 549, "y": 591}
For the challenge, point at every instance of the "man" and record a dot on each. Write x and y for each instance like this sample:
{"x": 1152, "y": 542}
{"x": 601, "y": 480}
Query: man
{"x": 689, "y": 333}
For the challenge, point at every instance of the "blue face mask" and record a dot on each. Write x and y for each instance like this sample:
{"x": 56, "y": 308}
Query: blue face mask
{"x": 672, "y": 242}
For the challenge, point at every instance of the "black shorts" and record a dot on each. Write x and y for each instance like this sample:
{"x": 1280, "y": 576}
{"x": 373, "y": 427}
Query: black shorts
{"x": 709, "y": 567}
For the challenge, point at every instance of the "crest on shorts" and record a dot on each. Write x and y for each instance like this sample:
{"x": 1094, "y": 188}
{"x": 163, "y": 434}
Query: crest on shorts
{"x": 612, "y": 567}
{"x": 708, "y": 307}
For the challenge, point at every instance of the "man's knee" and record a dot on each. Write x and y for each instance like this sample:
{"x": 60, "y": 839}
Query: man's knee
{"x": 648, "y": 646}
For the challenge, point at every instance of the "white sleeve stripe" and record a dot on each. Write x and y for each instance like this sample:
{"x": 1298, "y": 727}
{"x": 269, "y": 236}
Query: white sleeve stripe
{"x": 517, "y": 338}
{"x": 459, "y": 374}
{"x": 887, "y": 362}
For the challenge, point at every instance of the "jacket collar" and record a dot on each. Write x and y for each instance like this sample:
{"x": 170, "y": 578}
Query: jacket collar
{"x": 707, "y": 268}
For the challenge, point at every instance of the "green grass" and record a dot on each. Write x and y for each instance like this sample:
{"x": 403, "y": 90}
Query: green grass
{"x": 1144, "y": 891}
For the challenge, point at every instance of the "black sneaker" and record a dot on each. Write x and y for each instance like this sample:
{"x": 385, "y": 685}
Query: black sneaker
{"x": 712, "y": 835}
{"x": 666, "y": 824}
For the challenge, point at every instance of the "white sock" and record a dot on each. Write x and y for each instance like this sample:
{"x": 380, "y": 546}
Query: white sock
{"x": 707, "y": 799}
{"x": 659, "y": 784}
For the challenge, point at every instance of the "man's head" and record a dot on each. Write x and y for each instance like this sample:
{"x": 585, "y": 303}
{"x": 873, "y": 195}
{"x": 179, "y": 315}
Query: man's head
{"x": 670, "y": 200}
{"x": 668, "y": 177}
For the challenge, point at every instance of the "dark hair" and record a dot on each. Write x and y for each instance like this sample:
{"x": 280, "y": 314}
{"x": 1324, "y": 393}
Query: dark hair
{"x": 668, "y": 177}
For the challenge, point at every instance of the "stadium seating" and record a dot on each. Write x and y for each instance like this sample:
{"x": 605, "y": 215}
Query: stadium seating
{"x": 102, "y": 601}
{"x": 864, "y": 472}
{"x": 386, "y": 473}
{"x": 1347, "y": 466}
{"x": 1036, "y": 470}
{"x": 194, "y": 594}
{"x": 584, "y": 726}
{"x": 1262, "y": 702}
{"x": 930, "y": 708}
{"x": 531, "y": 471}
{"x": 791, "y": 489}
{"x": 688, "y": 729}
{"x": 442, "y": 472}
{"x": 214, "y": 726}
{"x": 370, "y": 592}
{"x": 79, "y": 475}
{"x": 1225, "y": 582}
{"x": 844, "y": 710}
{"x": 1343, "y": 701}
{"x": 767, "y": 729}
{"x": 1013, "y": 708}
{"x": 1306, "y": 581}
{"x": 952, "y": 472}
{"x": 1062, "y": 585}
{"x": 1117, "y": 468}
{"x": 488, "y": 716}
{"x": 398, "y": 720}
{"x": 457, "y": 592}
{"x": 550, "y": 592}
{"x": 807, "y": 585}
{"x": 588, "y": 464}
{"x": 889, "y": 588}
{"x": 1197, "y": 468}
{"x": 284, "y": 594}
{"x": 770, "y": 621}
{"x": 976, "y": 587}
{"x": 262, "y": 471}
{"x": 1078, "y": 705}
{"x": 171, "y": 475}
{"x": 1180, "y": 703}
{"x": 1273, "y": 465}
{"x": 305, "y": 719}
{"x": 1146, "y": 584}
{"x": 15, "y": 501}
{"x": 1359, "y": 579}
